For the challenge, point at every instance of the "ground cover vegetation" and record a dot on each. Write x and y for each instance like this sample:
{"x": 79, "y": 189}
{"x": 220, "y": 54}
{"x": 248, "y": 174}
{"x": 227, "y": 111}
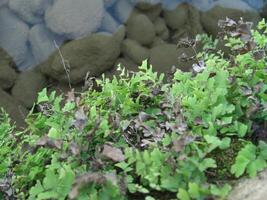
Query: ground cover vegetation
{"x": 144, "y": 135}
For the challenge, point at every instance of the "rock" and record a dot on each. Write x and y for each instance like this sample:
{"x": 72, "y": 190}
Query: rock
{"x": 145, "y": 4}
{"x": 157, "y": 42}
{"x": 122, "y": 10}
{"x": 124, "y": 62}
{"x": 176, "y": 18}
{"x": 191, "y": 28}
{"x": 134, "y": 51}
{"x": 7, "y": 74}
{"x": 153, "y": 13}
{"x": 75, "y": 20}
{"x": 161, "y": 29}
{"x": 163, "y": 57}
{"x": 140, "y": 29}
{"x": 27, "y": 86}
{"x": 160, "y": 26}
{"x": 210, "y": 18}
{"x": 264, "y": 12}
{"x": 3, "y": 2}
{"x": 109, "y": 3}
{"x": 42, "y": 42}
{"x": 16, "y": 111}
{"x": 28, "y": 10}
{"x": 250, "y": 188}
{"x": 95, "y": 54}
{"x": 109, "y": 24}
{"x": 13, "y": 38}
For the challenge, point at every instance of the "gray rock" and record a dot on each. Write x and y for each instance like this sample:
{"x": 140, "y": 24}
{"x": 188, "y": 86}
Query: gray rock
{"x": 75, "y": 20}
{"x": 141, "y": 29}
{"x": 95, "y": 54}
{"x": 109, "y": 3}
{"x": 161, "y": 28}
{"x": 25, "y": 10}
{"x": 145, "y": 4}
{"x": 153, "y": 13}
{"x": 42, "y": 42}
{"x": 210, "y": 18}
{"x": 250, "y": 189}
{"x": 163, "y": 57}
{"x": 3, "y": 2}
{"x": 13, "y": 38}
{"x": 27, "y": 86}
{"x": 7, "y": 74}
{"x": 16, "y": 111}
{"x": 176, "y": 18}
{"x": 109, "y": 24}
{"x": 157, "y": 42}
{"x": 134, "y": 51}
{"x": 122, "y": 10}
{"x": 124, "y": 62}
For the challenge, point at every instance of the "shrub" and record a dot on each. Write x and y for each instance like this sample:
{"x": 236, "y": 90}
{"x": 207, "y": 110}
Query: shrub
{"x": 143, "y": 137}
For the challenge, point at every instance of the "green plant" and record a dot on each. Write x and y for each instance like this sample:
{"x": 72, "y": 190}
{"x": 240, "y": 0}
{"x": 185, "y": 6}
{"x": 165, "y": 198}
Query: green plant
{"x": 140, "y": 136}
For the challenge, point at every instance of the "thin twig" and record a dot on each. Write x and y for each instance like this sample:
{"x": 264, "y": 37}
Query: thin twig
{"x": 65, "y": 64}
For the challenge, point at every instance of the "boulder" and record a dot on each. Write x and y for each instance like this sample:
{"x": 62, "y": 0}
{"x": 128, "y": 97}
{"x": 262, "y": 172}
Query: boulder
{"x": 134, "y": 51}
{"x": 16, "y": 111}
{"x": 250, "y": 188}
{"x": 153, "y": 12}
{"x": 13, "y": 38}
{"x": 42, "y": 42}
{"x": 140, "y": 29}
{"x": 27, "y": 86}
{"x": 95, "y": 54}
{"x": 28, "y": 10}
{"x": 109, "y": 24}
{"x": 191, "y": 28}
{"x": 161, "y": 28}
{"x": 145, "y": 4}
{"x": 75, "y": 20}
{"x": 124, "y": 62}
{"x": 123, "y": 10}
{"x": 157, "y": 42}
{"x": 163, "y": 57}
{"x": 7, "y": 73}
{"x": 177, "y": 17}
{"x": 210, "y": 18}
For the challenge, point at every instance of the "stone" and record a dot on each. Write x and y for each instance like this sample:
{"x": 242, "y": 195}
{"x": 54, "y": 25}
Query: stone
{"x": 109, "y": 24}
{"x": 123, "y": 10}
{"x": 94, "y": 54}
{"x": 157, "y": 42}
{"x": 7, "y": 74}
{"x": 75, "y": 20}
{"x": 153, "y": 13}
{"x": 250, "y": 188}
{"x": 42, "y": 42}
{"x": 13, "y": 38}
{"x": 134, "y": 51}
{"x": 28, "y": 10}
{"x": 27, "y": 86}
{"x": 210, "y": 18}
{"x": 141, "y": 29}
{"x": 145, "y": 4}
{"x": 124, "y": 62}
{"x": 3, "y": 2}
{"x": 191, "y": 28}
{"x": 176, "y": 18}
{"x": 160, "y": 26}
{"x": 16, "y": 111}
{"x": 109, "y": 3}
{"x": 163, "y": 57}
